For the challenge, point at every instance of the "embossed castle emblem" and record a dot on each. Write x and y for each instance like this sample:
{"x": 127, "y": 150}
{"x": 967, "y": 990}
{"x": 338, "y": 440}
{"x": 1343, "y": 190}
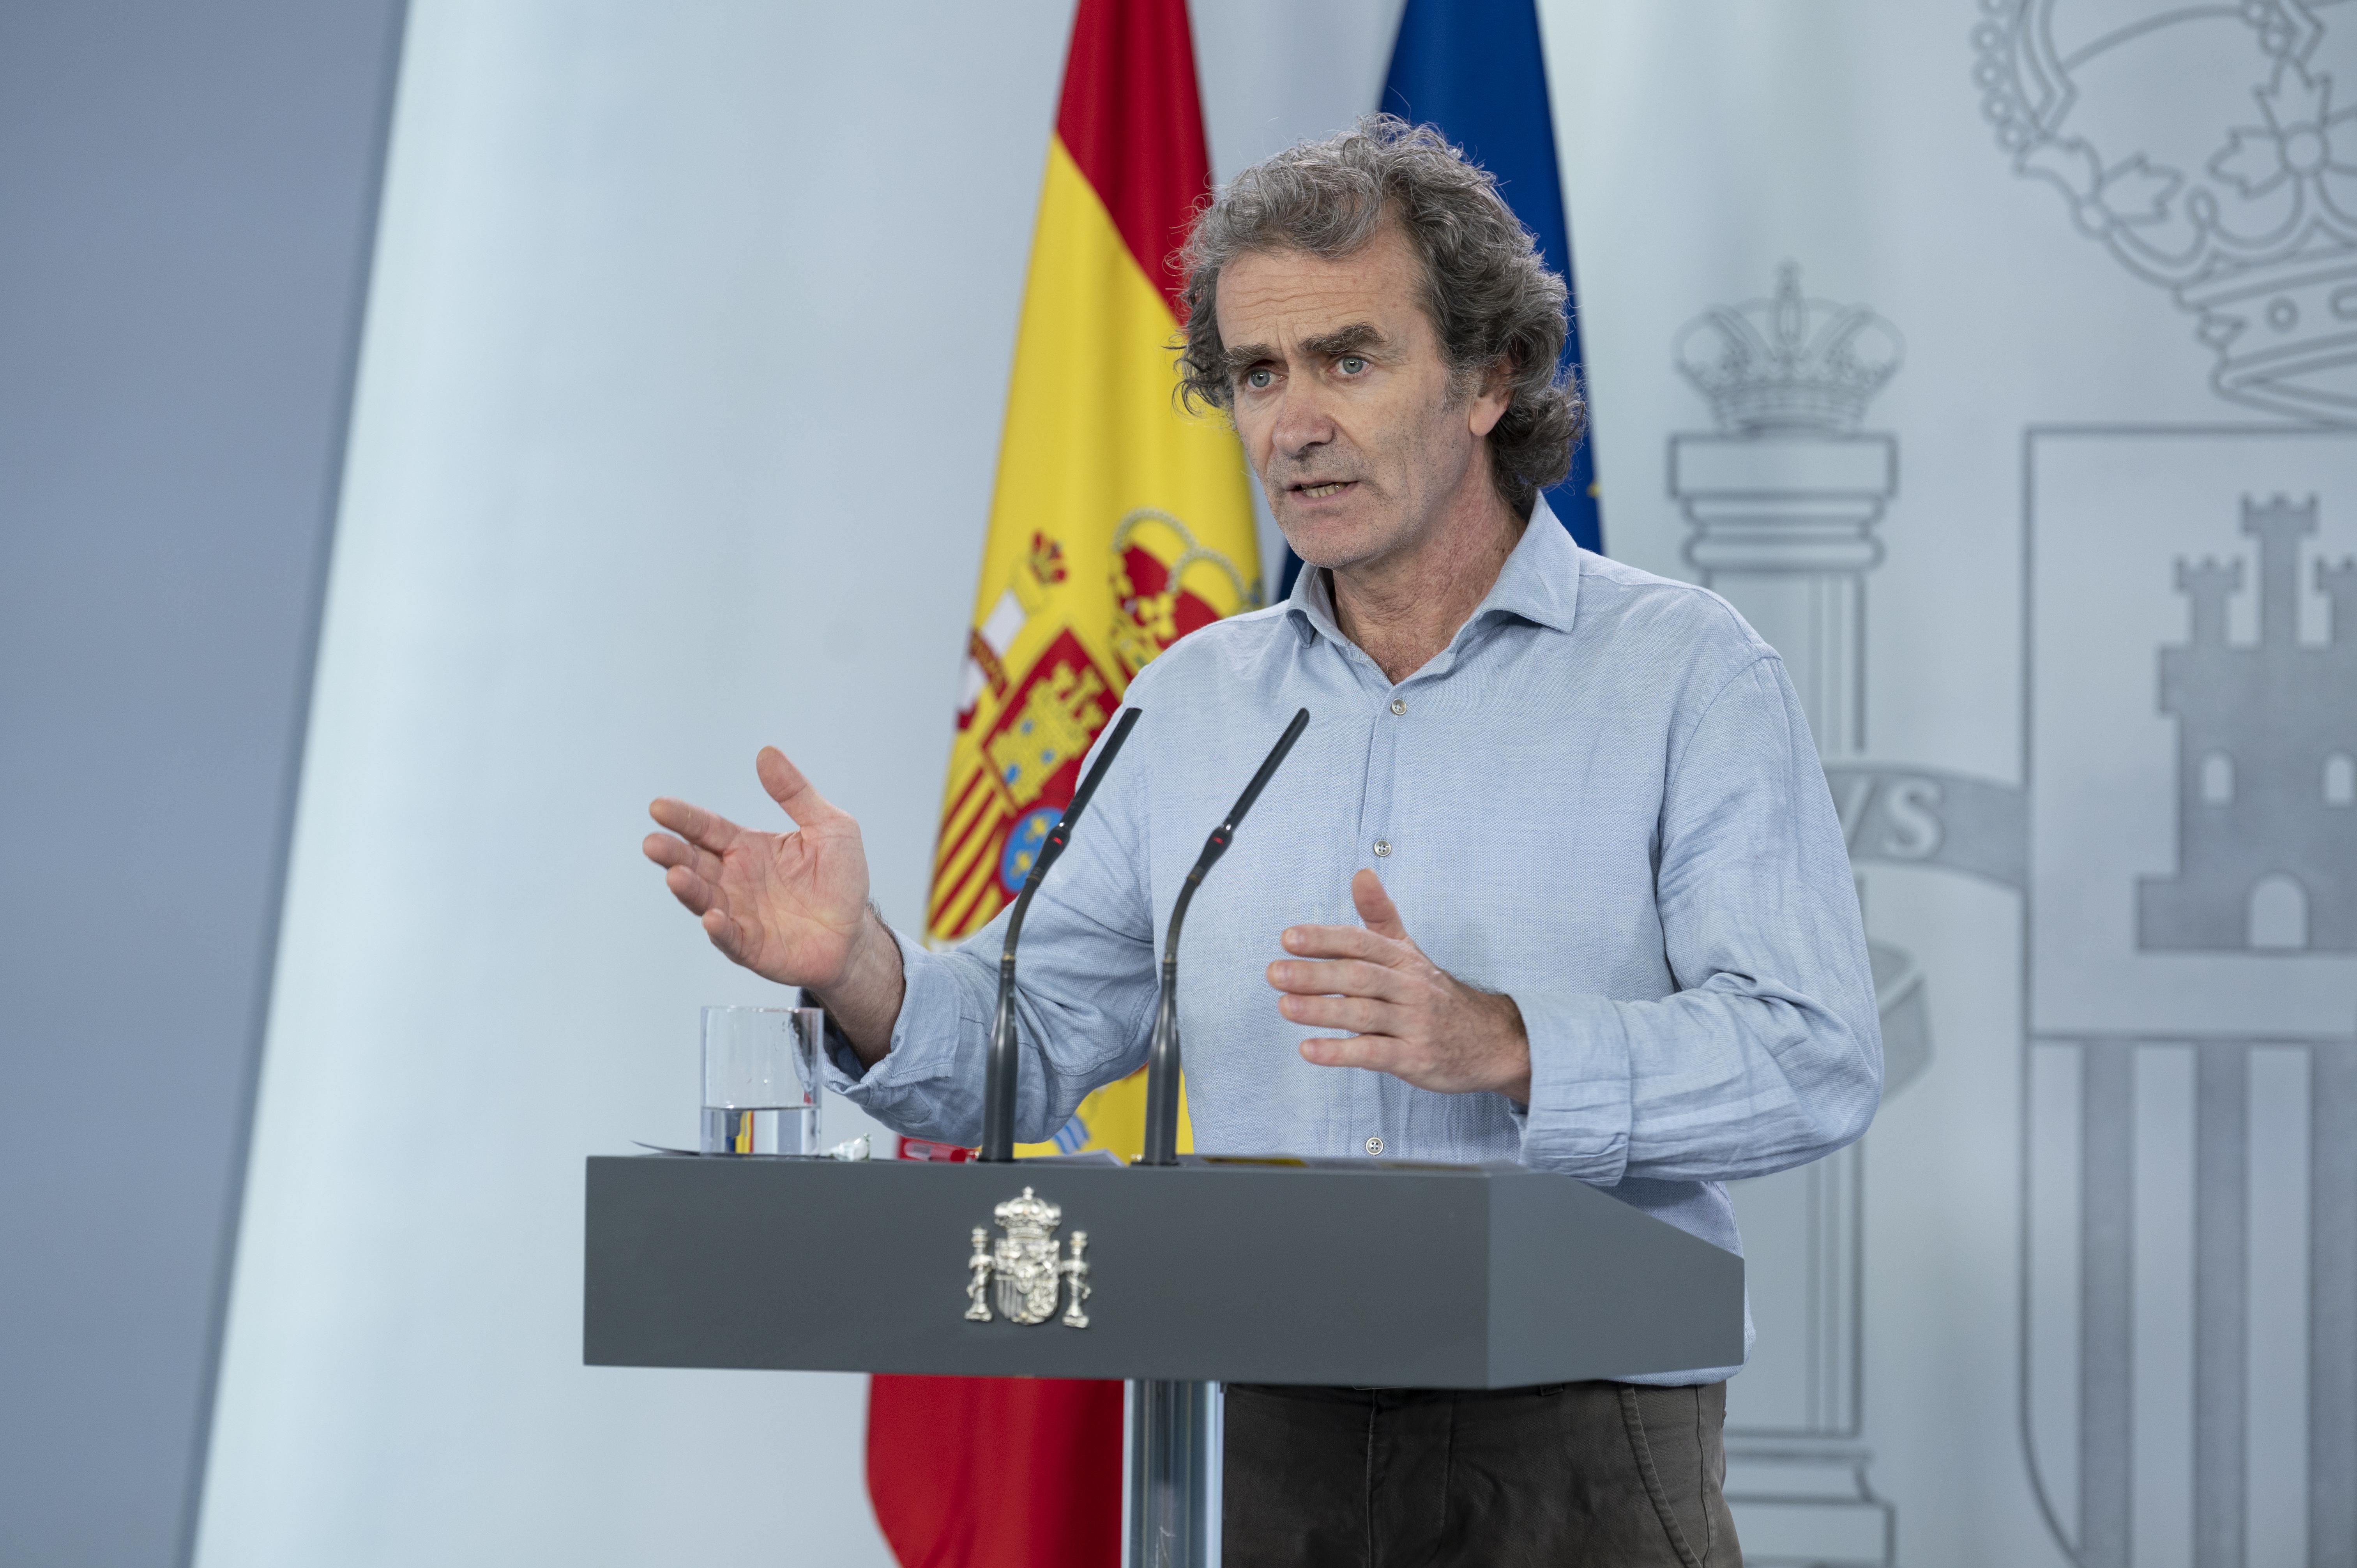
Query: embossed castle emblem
{"x": 2267, "y": 758}
{"x": 1026, "y": 1272}
{"x": 2189, "y": 969}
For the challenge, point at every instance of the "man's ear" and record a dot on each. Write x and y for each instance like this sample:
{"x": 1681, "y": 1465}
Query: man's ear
{"x": 1489, "y": 405}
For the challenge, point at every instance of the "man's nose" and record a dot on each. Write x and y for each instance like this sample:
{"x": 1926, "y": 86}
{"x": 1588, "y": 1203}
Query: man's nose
{"x": 1303, "y": 421}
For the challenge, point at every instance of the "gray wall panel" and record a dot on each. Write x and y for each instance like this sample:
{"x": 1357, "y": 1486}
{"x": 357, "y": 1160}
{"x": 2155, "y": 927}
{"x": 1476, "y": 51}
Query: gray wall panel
{"x": 186, "y": 199}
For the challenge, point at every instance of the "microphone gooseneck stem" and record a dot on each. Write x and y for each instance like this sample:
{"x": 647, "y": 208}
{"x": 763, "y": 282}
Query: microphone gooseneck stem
{"x": 1162, "y": 1080}
{"x": 1162, "y": 1065}
{"x": 998, "y": 1083}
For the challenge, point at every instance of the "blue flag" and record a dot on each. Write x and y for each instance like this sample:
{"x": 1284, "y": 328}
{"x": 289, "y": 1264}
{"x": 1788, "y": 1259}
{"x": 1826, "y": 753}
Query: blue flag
{"x": 1473, "y": 69}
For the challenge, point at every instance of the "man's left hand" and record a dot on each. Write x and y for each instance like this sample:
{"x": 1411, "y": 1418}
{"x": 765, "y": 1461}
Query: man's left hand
{"x": 1414, "y": 1019}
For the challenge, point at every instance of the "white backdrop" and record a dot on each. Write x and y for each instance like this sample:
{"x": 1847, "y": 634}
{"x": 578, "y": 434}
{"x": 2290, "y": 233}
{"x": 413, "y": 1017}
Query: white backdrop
{"x": 675, "y": 432}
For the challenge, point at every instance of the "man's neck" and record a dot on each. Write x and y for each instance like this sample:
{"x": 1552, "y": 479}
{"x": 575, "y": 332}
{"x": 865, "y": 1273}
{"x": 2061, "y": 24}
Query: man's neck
{"x": 1401, "y": 609}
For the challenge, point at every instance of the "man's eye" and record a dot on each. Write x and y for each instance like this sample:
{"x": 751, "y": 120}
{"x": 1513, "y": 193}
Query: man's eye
{"x": 1258, "y": 379}
{"x": 1352, "y": 364}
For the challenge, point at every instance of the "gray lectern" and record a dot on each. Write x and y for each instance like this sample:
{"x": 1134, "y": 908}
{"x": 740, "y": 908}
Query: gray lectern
{"x": 1175, "y": 1274}
{"x": 1272, "y": 1271}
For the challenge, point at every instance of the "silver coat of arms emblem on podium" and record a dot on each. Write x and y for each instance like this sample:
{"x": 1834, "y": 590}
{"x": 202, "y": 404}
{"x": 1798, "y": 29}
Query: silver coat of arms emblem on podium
{"x": 1026, "y": 1272}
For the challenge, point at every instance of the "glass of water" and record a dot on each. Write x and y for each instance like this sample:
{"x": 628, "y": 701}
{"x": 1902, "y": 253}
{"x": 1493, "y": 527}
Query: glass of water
{"x": 761, "y": 1079}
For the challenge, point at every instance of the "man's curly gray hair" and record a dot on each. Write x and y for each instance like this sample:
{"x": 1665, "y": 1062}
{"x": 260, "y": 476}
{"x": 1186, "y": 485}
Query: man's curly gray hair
{"x": 1490, "y": 296}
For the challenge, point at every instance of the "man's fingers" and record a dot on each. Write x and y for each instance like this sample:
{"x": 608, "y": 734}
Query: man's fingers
{"x": 667, "y": 851}
{"x": 691, "y": 890}
{"x": 695, "y": 825}
{"x": 1376, "y": 1053}
{"x": 726, "y": 934}
{"x": 791, "y": 791}
{"x": 1341, "y": 942}
{"x": 1375, "y": 907}
{"x": 1380, "y": 938}
{"x": 1360, "y": 1014}
{"x": 1346, "y": 977}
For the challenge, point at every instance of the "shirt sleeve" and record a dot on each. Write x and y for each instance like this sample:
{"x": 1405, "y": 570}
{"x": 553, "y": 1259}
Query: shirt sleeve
{"x": 1083, "y": 999}
{"x": 1770, "y": 1053}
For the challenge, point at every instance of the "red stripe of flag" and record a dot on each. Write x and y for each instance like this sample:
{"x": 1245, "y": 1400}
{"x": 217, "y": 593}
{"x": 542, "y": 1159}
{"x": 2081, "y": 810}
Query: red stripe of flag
{"x": 996, "y": 1472}
{"x": 951, "y": 815}
{"x": 1133, "y": 123}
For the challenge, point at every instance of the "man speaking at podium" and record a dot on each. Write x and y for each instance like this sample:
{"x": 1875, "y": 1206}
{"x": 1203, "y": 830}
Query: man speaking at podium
{"x": 1553, "y": 874}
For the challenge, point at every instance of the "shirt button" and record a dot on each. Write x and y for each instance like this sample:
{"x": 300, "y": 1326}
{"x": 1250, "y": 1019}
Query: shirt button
{"x": 1374, "y": 1145}
{"x": 1399, "y": 705}
{"x": 1383, "y": 846}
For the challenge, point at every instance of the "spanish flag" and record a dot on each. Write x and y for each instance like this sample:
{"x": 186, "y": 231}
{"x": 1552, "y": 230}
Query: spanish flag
{"x": 1120, "y": 523}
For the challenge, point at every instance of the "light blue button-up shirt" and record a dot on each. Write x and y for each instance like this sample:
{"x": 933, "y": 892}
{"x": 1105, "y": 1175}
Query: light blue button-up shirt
{"x": 1601, "y": 799}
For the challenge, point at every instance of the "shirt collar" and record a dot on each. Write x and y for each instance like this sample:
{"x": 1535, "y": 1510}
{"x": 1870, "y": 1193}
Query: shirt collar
{"x": 1539, "y": 583}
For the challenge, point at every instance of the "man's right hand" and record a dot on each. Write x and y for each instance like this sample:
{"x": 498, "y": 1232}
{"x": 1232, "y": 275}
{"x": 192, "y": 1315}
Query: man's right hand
{"x": 790, "y": 907}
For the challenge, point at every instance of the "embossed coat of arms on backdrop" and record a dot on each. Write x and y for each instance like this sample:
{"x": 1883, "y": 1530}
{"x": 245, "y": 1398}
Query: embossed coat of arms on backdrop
{"x": 2190, "y": 1208}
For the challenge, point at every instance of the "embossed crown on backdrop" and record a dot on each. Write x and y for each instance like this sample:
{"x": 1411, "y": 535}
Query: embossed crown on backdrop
{"x": 1789, "y": 362}
{"x": 2212, "y": 149}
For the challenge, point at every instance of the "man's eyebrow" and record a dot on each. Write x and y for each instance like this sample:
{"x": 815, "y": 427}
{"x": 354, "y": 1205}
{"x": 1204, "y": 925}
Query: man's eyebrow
{"x": 1238, "y": 358}
{"x": 1348, "y": 340}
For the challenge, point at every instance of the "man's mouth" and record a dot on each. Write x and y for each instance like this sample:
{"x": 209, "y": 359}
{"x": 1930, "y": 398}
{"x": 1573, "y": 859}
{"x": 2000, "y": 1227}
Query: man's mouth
{"x": 1320, "y": 491}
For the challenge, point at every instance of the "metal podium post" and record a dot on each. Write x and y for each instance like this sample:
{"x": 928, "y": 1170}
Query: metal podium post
{"x": 1173, "y": 1510}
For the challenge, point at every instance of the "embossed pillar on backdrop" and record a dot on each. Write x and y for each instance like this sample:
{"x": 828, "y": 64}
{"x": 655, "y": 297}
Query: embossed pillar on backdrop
{"x": 1784, "y": 498}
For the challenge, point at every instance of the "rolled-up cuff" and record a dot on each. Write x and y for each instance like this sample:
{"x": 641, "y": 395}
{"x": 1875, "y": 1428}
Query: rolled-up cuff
{"x": 921, "y": 1062}
{"x": 1578, "y": 1119}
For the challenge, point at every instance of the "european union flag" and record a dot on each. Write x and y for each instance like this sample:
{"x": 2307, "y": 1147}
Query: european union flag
{"x": 1473, "y": 69}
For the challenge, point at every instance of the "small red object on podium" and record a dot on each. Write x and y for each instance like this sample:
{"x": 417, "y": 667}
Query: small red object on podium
{"x": 926, "y": 1149}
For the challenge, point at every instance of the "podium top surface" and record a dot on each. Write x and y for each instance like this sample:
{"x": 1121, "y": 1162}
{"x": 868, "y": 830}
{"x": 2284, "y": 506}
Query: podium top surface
{"x": 1234, "y": 1270}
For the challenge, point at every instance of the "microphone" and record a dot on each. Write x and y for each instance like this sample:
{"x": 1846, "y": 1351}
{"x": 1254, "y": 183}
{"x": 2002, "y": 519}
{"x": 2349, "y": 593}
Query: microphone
{"x": 1162, "y": 1055}
{"x": 998, "y": 1076}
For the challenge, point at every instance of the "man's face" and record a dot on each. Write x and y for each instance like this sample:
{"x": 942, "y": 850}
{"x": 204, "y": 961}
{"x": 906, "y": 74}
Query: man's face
{"x": 1344, "y": 402}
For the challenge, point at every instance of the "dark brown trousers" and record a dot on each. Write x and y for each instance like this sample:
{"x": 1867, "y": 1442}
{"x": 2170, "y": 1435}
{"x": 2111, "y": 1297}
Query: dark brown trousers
{"x": 1610, "y": 1474}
